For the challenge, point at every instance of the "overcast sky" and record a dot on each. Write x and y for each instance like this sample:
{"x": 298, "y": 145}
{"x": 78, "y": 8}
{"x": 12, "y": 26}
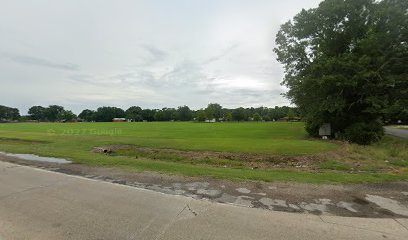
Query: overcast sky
{"x": 150, "y": 53}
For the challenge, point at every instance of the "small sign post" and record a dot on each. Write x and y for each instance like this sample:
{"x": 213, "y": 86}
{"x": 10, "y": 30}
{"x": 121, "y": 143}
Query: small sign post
{"x": 325, "y": 130}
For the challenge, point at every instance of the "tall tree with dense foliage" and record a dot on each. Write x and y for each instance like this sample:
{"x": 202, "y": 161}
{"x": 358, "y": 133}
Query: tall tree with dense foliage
{"x": 53, "y": 112}
{"x": 257, "y": 117}
{"x": 184, "y": 113}
{"x": 346, "y": 64}
{"x": 213, "y": 110}
{"x": 36, "y": 113}
{"x": 8, "y": 113}
{"x": 66, "y": 116}
{"x": 148, "y": 114}
{"x": 239, "y": 114}
{"x": 107, "y": 114}
{"x": 200, "y": 115}
{"x": 134, "y": 113}
{"x": 87, "y": 115}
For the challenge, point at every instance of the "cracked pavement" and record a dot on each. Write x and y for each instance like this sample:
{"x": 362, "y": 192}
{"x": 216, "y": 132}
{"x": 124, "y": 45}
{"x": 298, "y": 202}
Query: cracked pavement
{"x": 40, "y": 204}
{"x": 383, "y": 200}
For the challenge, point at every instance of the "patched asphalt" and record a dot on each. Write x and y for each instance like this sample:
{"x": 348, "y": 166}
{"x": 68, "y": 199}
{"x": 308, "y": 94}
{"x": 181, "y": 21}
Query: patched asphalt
{"x": 386, "y": 200}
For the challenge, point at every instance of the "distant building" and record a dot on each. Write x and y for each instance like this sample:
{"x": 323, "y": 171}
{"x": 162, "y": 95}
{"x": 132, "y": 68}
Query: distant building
{"x": 211, "y": 120}
{"x": 119, "y": 120}
{"x": 287, "y": 119}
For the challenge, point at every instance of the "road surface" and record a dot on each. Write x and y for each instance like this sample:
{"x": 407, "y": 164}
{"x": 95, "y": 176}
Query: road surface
{"x": 402, "y": 133}
{"x": 39, "y": 204}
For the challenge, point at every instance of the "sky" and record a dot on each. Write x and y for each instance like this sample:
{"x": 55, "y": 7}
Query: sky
{"x": 148, "y": 53}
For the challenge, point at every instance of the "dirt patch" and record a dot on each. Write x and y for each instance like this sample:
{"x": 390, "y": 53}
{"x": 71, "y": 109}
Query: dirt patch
{"x": 344, "y": 159}
{"x": 252, "y": 160}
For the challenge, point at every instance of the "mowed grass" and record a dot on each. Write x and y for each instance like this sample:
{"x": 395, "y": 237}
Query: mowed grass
{"x": 75, "y": 141}
{"x": 404, "y": 127}
{"x": 273, "y": 138}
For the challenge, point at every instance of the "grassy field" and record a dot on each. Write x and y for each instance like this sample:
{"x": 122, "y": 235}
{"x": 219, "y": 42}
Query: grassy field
{"x": 405, "y": 127}
{"x": 251, "y": 151}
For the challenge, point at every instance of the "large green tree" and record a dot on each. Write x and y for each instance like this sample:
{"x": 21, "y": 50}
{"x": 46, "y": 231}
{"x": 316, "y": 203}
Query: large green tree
{"x": 184, "y": 113}
{"x": 213, "y": 110}
{"x": 134, "y": 113}
{"x": 87, "y": 115}
{"x": 66, "y": 116}
{"x": 346, "y": 63}
{"x": 53, "y": 112}
{"x": 8, "y": 113}
{"x": 37, "y": 113}
{"x": 239, "y": 114}
{"x": 107, "y": 114}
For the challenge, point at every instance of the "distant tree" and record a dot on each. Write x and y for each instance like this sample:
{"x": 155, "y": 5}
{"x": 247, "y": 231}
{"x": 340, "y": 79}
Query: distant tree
{"x": 87, "y": 115}
{"x": 52, "y": 112}
{"x": 213, "y": 110}
{"x": 346, "y": 64}
{"x": 278, "y": 112}
{"x": 165, "y": 114}
{"x": 159, "y": 115}
{"x": 13, "y": 114}
{"x": 37, "y": 113}
{"x": 184, "y": 113}
{"x": 239, "y": 114}
{"x": 291, "y": 114}
{"x": 201, "y": 115}
{"x": 66, "y": 116}
{"x": 257, "y": 117}
{"x": 107, "y": 114}
{"x": 263, "y": 111}
{"x": 24, "y": 118}
{"x": 8, "y": 113}
{"x": 134, "y": 113}
{"x": 228, "y": 117}
{"x": 148, "y": 114}
{"x": 169, "y": 114}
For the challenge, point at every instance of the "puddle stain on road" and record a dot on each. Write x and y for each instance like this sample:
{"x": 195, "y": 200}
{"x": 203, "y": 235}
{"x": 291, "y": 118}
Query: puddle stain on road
{"x": 388, "y": 204}
{"x": 246, "y": 197}
{"x": 35, "y": 158}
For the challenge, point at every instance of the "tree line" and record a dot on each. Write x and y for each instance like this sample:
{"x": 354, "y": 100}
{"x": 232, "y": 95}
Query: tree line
{"x": 213, "y": 112}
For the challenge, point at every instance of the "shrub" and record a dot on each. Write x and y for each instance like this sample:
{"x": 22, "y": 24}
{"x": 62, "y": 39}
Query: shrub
{"x": 312, "y": 128}
{"x": 364, "y": 133}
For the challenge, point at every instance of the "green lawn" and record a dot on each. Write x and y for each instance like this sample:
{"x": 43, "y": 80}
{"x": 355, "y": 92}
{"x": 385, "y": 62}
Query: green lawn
{"x": 75, "y": 141}
{"x": 404, "y": 127}
{"x": 274, "y": 138}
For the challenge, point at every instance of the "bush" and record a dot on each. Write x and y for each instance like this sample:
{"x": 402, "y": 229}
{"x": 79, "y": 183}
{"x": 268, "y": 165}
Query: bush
{"x": 312, "y": 128}
{"x": 364, "y": 133}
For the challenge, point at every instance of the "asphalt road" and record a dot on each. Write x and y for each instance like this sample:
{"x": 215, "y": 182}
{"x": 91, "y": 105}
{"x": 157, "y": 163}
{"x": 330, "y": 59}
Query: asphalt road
{"x": 38, "y": 204}
{"x": 396, "y": 132}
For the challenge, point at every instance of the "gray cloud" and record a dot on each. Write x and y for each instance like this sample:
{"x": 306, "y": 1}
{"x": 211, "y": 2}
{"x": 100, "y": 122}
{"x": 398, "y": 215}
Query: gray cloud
{"x": 156, "y": 53}
{"x": 34, "y": 61}
{"x": 221, "y": 55}
{"x": 184, "y": 73}
{"x": 82, "y": 78}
